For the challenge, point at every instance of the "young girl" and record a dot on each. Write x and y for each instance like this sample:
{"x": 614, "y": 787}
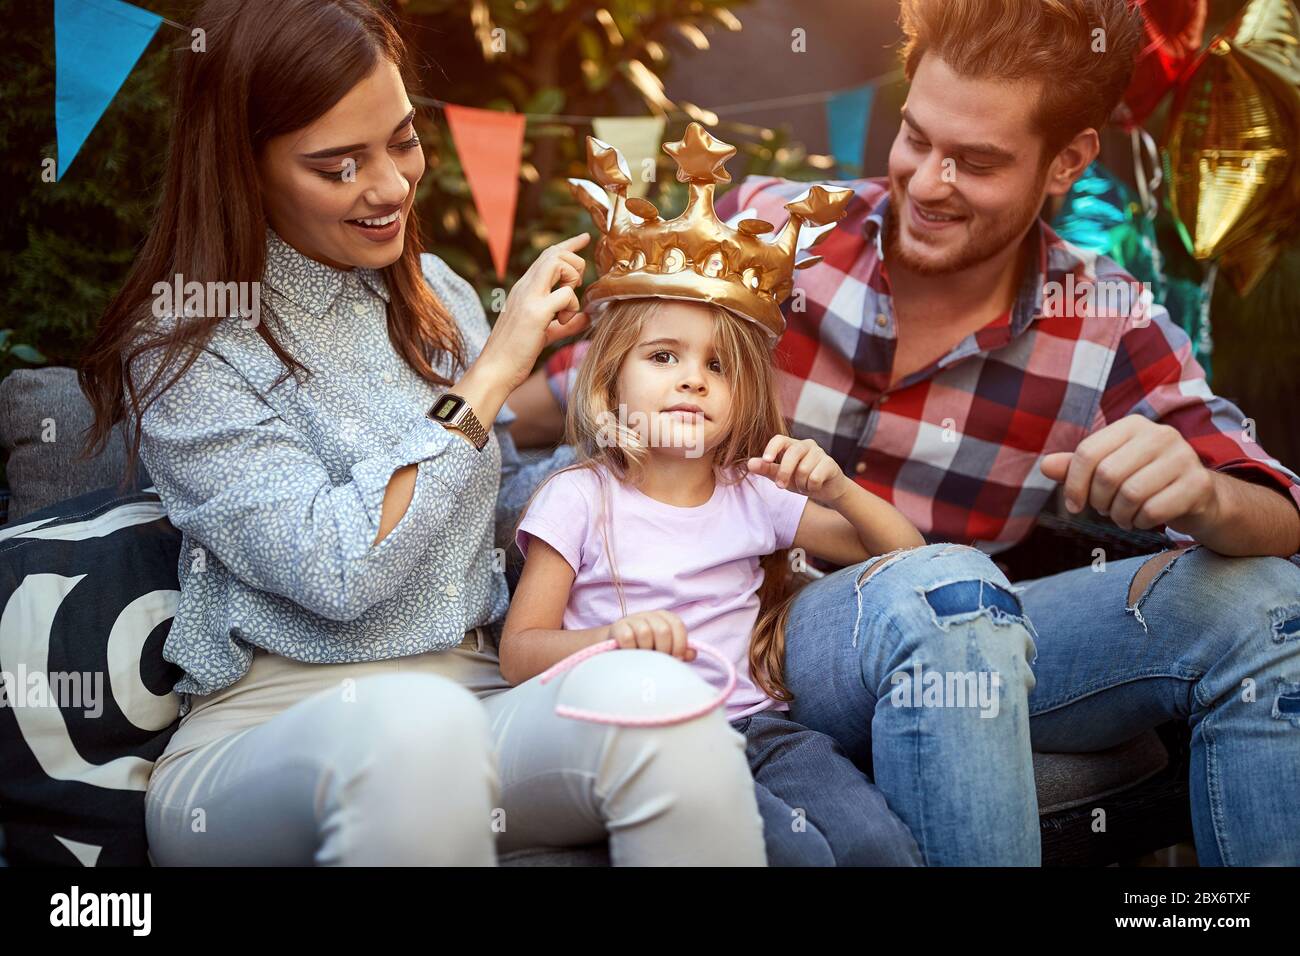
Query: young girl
{"x": 685, "y": 481}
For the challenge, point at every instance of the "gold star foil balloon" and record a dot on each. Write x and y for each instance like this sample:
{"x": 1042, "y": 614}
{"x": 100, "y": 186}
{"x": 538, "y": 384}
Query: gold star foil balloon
{"x": 1233, "y": 177}
{"x": 695, "y": 256}
{"x": 1269, "y": 35}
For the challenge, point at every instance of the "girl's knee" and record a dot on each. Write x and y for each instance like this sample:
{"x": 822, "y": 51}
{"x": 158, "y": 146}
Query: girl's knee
{"x": 635, "y": 684}
{"x": 701, "y": 758}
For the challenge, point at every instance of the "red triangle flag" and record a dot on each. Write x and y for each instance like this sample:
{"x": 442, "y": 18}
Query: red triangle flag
{"x": 490, "y": 144}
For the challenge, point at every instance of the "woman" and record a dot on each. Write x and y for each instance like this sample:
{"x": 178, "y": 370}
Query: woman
{"x": 340, "y": 595}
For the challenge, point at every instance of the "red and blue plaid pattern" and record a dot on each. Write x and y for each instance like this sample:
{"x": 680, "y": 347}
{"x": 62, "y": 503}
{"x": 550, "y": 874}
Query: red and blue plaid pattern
{"x": 956, "y": 446}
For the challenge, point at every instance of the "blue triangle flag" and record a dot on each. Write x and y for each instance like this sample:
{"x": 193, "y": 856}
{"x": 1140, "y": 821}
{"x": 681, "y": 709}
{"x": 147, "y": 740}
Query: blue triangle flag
{"x": 96, "y": 43}
{"x": 847, "y": 114}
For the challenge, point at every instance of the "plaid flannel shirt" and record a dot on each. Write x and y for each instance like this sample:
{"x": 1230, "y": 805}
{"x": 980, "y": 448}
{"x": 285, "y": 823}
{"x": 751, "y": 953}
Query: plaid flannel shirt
{"x": 956, "y": 446}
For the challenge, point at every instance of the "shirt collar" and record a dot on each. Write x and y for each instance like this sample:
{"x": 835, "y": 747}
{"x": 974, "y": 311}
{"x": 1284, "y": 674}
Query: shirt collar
{"x": 1029, "y": 298}
{"x": 874, "y": 225}
{"x": 313, "y": 285}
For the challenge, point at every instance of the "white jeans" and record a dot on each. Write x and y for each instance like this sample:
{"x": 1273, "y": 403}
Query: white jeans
{"x": 435, "y": 759}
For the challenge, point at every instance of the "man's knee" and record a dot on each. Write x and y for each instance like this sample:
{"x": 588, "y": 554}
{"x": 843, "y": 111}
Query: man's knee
{"x": 935, "y": 587}
{"x": 1224, "y": 593}
{"x": 874, "y": 565}
{"x": 954, "y": 579}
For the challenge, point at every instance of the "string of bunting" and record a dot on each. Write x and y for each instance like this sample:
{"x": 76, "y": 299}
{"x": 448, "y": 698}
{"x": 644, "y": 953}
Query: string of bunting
{"x": 98, "y": 42}
{"x": 1221, "y": 215}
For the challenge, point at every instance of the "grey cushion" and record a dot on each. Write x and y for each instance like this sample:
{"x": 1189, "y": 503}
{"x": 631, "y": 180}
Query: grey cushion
{"x": 1072, "y": 780}
{"x": 41, "y": 473}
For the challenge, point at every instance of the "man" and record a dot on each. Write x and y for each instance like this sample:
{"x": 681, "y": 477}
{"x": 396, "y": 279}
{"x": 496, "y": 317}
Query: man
{"x": 960, "y": 360}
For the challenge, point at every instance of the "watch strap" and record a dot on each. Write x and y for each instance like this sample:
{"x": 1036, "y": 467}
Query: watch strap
{"x": 472, "y": 427}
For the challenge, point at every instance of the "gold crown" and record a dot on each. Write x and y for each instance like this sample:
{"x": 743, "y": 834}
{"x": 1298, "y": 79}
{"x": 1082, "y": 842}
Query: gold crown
{"x": 695, "y": 256}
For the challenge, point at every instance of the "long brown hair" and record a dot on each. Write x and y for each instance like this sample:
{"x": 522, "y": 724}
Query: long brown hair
{"x": 270, "y": 67}
{"x": 746, "y": 355}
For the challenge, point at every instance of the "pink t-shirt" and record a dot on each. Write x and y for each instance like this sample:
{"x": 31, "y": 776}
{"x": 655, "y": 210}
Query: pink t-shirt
{"x": 701, "y": 563}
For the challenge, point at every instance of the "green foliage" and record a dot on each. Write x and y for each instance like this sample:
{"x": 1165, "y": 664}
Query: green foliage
{"x": 65, "y": 246}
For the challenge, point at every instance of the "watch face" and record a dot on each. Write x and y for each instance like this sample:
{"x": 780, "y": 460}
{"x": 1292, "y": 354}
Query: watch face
{"x": 447, "y": 407}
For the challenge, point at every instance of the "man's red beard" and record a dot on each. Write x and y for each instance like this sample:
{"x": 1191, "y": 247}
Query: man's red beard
{"x": 984, "y": 238}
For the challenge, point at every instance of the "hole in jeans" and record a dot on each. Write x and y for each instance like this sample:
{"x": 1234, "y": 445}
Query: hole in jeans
{"x": 1147, "y": 577}
{"x": 1148, "y": 571}
{"x": 1287, "y": 704}
{"x": 1286, "y": 623}
{"x": 880, "y": 562}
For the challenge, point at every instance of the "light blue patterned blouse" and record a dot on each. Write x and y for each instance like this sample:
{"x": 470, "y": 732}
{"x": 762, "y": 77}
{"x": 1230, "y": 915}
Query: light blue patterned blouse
{"x": 277, "y": 491}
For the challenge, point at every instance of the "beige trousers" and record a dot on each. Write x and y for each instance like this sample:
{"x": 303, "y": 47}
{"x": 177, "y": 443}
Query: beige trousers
{"x": 435, "y": 759}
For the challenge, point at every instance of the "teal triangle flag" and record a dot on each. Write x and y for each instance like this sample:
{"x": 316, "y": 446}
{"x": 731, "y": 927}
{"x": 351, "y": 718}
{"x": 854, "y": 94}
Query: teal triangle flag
{"x": 847, "y": 114}
{"x": 96, "y": 43}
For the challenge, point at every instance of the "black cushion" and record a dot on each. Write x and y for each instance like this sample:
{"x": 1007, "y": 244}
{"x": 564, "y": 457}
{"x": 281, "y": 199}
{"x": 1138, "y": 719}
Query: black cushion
{"x": 88, "y": 589}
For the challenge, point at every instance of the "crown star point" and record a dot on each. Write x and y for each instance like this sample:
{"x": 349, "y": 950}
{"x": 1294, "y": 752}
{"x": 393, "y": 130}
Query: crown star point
{"x": 821, "y": 205}
{"x": 606, "y": 164}
{"x": 700, "y": 157}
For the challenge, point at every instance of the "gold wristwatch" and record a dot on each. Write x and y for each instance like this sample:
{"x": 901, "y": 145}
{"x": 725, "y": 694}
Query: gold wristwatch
{"x": 452, "y": 411}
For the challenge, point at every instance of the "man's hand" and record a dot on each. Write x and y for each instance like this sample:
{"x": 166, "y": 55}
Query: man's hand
{"x": 1142, "y": 475}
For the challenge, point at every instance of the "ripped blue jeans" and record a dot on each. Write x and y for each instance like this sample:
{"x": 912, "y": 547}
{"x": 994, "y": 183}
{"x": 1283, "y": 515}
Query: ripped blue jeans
{"x": 934, "y": 671}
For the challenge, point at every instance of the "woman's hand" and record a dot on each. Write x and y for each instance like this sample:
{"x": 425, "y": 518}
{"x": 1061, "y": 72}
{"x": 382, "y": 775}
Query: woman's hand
{"x": 653, "y": 631}
{"x": 802, "y": 467}
{"x": 541, "y": 308}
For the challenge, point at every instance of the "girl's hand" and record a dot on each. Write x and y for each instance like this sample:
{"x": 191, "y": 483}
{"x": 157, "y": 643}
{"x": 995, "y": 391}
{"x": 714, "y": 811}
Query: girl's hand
{"x": 541, "y": 308}
{"x": 802, "y": 467}
{"x": 653, "y": 631}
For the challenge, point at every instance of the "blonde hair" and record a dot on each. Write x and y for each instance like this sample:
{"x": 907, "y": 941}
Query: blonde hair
{"x": 744, "y": 350}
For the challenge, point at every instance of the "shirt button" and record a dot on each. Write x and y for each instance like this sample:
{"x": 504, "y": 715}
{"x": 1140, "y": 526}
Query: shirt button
{"x": 881, "y": 320}
{"x": 388, "y": 378}
{"x": 860, "y": 467}
{"x": 883, "y": 399}
{"x": 358, "y": 309}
